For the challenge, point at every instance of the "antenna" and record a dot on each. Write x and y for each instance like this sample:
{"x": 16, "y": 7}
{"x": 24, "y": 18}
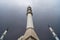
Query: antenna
{"x": 29, "y": 2}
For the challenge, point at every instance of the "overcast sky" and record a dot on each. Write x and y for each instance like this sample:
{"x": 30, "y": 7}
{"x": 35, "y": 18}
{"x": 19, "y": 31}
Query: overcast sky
{"x": 13, "y": 16}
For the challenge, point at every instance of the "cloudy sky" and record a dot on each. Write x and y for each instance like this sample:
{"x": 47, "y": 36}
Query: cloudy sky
{"x": 13, "y": 16}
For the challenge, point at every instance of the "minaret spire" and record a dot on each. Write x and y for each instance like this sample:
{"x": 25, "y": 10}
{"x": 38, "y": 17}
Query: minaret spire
{"x": 29, "y": 18}
{"x": 54, "y": 34}
{"x": 2, "y": 37}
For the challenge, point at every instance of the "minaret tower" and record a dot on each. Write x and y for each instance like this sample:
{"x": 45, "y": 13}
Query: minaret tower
{"x": 54, "y": 34}
{"x": 30, "y": 33}
{"x": 2, "y": 37}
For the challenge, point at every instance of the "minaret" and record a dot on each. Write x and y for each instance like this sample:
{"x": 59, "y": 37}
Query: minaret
{"x": 53, "y": 33}
{"x": 2, "y": 37}
{"x": 30, "y": 34}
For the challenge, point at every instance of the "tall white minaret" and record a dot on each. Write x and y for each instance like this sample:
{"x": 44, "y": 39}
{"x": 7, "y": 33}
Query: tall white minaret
{"x": 2, "y": 37}
{"x": 30, "y": 34}
{"x": 29, "y": 18}
{"x": 54, "y": 34}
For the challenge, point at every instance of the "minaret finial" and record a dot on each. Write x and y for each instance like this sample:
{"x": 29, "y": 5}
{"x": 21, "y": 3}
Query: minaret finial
{"x": 29, "y": 2}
